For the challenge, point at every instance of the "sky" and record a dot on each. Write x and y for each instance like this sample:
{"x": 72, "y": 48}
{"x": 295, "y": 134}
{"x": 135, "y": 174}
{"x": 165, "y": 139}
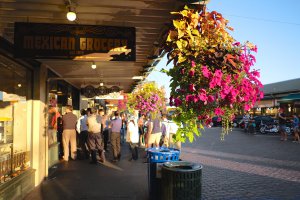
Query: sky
{"x": 272, "y": 25}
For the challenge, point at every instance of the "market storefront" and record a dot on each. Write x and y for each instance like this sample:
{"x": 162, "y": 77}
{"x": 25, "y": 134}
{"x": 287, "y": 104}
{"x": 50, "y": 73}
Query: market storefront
{"x": 284, "y": 94}
{"x": 59, "y": 95}
{"x": 291, "y": 103}
{"x": 16, "y": 83}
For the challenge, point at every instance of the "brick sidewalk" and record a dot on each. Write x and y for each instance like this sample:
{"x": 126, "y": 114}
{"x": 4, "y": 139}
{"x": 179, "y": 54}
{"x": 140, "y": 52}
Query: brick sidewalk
{"x": 246, "y": 166}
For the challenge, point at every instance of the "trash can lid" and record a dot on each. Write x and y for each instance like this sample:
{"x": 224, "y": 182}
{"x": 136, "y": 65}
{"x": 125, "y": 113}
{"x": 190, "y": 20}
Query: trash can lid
{"x": 162, "y": 149}
{"x": 182, "y": 166}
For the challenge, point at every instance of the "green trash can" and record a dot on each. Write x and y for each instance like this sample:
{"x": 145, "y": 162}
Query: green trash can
{"x": 181, "y": 181}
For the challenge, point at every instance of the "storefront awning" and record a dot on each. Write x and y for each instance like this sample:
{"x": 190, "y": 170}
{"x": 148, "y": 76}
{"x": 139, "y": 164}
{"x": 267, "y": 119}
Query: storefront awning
{"x": 290, "y": 97}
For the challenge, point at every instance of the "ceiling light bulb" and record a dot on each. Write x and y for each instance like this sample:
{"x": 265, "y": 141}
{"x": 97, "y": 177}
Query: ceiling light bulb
{"x": 71, "y": 16}
{"x": 19, "y": 85}
{"x": 94, "y": 66}
{"x": 101, "y": 84}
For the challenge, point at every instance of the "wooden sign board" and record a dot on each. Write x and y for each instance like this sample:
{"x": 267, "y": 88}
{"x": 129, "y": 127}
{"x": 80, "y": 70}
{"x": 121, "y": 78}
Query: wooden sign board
{"x": 73, "y": 41}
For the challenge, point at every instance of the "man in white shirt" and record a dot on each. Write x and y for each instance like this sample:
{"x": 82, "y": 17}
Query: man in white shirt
{"x": 94, "y": 139}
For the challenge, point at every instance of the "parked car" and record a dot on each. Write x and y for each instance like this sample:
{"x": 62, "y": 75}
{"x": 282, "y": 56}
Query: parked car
{"x": 262, "y": 119}
{"x": 236, "y": 121}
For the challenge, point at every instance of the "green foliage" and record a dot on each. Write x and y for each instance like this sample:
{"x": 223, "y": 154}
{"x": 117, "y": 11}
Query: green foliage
{"x": 209, "y": 71}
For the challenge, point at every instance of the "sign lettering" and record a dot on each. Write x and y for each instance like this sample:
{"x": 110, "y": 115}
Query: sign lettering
{"x": 67, "y": 41}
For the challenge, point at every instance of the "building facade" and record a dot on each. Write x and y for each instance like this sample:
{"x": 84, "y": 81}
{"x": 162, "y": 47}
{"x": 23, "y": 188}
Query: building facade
{"x": 284, "y": 94}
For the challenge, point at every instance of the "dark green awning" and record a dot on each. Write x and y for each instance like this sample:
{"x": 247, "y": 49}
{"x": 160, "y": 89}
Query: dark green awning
{"x": 290, "y": 97}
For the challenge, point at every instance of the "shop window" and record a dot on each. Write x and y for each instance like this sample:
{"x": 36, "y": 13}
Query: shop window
{"x": 15, "y": 120}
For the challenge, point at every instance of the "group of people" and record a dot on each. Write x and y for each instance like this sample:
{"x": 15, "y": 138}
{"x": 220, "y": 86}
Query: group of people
{"x": 90, "y": 134}
{"x": 282, "y": 126}
{"x": 157, "y": 130}
{"x": 282, "y": 121}
{"x": 95, "y": 130}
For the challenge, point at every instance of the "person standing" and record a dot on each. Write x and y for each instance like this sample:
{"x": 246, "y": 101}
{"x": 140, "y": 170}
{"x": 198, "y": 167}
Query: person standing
{"x": 141, "y": 130}
{"x": 59, "y": 137}
{"x": 82, "y": 129}
{"x": 282, "y": 125}
{"x": 94, "y": 138}
{"x": 116, "y": 125}
{"x": 52, "y": 125}
{"x": 100, "y": 119}
{"x": 69, "y": 121}
{"x": 133, "y": 136}
{"x": 165, "y": 131}
{"x": 123, "y": 127}
{"x": 155, "y": 131}
{"x": 246, "y": 119}
{"x": 106, "y": 124}
{"x": 296, "y": 128}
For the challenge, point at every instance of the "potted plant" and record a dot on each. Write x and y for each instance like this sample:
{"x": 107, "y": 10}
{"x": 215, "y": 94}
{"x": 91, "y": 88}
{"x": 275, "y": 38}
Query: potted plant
{"x": 212, "y": 73}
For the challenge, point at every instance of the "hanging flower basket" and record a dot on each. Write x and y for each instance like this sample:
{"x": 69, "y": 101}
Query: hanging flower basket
{"x": 147, "y": 98}
{"x": 212, "y": 73}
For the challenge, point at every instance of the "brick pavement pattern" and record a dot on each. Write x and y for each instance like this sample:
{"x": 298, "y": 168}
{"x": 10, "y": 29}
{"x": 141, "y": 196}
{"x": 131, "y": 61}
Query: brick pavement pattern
{"x": 246, "y": 166}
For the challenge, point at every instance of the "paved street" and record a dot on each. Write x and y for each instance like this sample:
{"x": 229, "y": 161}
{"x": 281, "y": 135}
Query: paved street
{"x": 241, "y": 167}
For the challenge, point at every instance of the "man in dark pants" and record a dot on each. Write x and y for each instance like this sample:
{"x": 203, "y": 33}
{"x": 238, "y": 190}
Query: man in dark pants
{"x": 69, "y": 121}
{"x": 82, "y": 129}
{"x": 282, "y": 124}
{"x": 106, "y": 124}
{"x": 116, "y": 125}
{"x": 94, "y": 138}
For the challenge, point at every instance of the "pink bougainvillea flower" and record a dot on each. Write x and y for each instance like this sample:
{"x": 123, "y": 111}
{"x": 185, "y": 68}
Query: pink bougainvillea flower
{"x": 254, "y": 49}
{"x": 192, "y": 73}
{"x": 261, "y": 94}
{"x": 182, "y": 70}
{"x": 256, "y": 73}
{"x": 208, "y": 122}
{"x": 216, "y": 80}
{"x": 218, "y": 73}
{"x": 205, "y": 71}
{"x": 219, "y": 119}
{"x": 177, "y": 102}
{"x": 195, "y": 99}
{"x": 192, "y": 87}
{"x": 252, "y": 58}
{"x": 219, "y": 111}
{"x": 202, "y": 95}
{"x": 236, "y": 44}
{"x": 210, "y": 99}
{"x": 193, "y": 63}
{"x": 247, "y": 107}
{"x": 189, "y": 98}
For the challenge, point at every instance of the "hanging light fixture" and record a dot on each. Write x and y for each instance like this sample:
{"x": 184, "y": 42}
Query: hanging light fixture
{"x": 71, "y": 14}
{"x": 94, "y": 66}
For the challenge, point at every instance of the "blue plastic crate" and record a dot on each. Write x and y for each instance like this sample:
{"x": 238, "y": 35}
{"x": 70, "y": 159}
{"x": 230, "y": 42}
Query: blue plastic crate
{"x": 163, "y": 154}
